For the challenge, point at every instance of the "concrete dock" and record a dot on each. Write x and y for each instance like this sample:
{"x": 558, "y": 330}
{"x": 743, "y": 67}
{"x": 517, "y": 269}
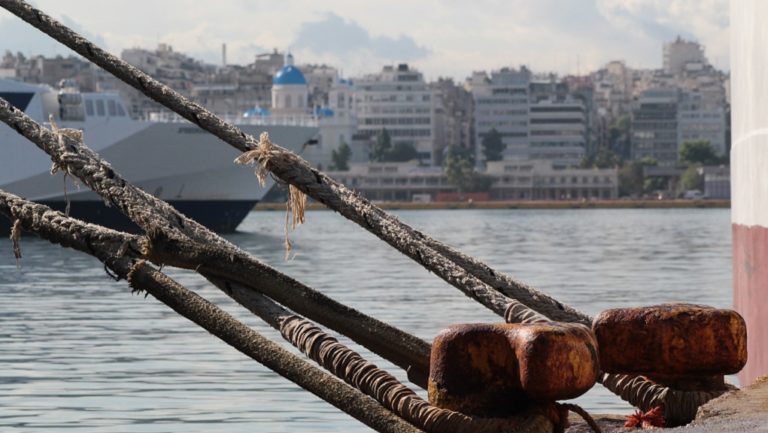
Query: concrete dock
{"x": 742, "y": 411}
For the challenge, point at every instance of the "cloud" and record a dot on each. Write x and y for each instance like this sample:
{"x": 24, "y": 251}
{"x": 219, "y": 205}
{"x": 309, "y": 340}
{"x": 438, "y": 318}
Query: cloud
{"x": 706, "y": 21}
{"x": 439, "y": 37}
{"x": 333, "y": 35}
{"x": 18, "y": 36}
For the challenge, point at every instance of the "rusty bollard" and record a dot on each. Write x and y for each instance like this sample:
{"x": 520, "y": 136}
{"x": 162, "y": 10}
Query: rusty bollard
{"x": 499, "y": 369}
{"x": 683, "y": 346}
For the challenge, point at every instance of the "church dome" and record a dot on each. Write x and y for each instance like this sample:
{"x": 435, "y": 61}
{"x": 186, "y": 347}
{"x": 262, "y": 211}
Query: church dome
{"x": 289, "y": 74}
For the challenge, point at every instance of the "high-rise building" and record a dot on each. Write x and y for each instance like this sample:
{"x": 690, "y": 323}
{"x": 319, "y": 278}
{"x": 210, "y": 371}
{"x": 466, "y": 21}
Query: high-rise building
{"x": 501, "y": 103}
{"x": 558, "y": 131}
{"x": 399, "y": 100}
{"x": 700, "y": 118}
{"x": 654, "y": 126}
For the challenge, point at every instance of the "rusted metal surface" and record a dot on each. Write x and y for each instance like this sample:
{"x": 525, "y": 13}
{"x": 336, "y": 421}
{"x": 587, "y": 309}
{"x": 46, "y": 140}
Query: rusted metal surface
{"x": 671, "y": 342}
{"x": 497, "y": 369}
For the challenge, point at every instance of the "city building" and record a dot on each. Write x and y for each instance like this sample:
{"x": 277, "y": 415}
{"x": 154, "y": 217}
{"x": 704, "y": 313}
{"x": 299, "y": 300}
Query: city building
{"x": 700, "y": 118}
{"x": 511, "y": 180}
{"x": 338, "y": 125}
{"x": 558, "y": 131}
{"x": 717, "y": 182}
{"x": 453, "y": 117}
{"x": 542, "y": 180}
{"x": 403, "y": 181}
{"x": 654, "y": 126}
{"x": 176, "y": 70}
{"x": 501, "y": 103}
{"x": 681, "y": 55}
{"x": 399, "y": 100}
{"x": 320, "y": 79}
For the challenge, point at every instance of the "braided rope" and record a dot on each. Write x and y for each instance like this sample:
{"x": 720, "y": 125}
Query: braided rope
{"x": 517, "y": 312}
{"x": 379, "y": 384}
{"x": 680, "y": 406}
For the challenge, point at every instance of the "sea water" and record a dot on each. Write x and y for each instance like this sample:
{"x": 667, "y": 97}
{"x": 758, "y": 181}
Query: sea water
{"x": 79, "y": 352}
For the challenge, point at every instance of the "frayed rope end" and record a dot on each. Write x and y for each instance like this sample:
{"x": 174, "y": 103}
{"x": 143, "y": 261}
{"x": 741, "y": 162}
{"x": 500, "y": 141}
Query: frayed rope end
{"x": 297, "y": 200}
{"x": 15, "y": 239}
{"x": 261, "y": 154}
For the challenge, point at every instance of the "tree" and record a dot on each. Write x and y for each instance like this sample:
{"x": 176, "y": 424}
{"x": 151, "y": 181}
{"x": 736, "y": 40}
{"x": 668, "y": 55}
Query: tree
{"x": 381, "y": 147}
{"x": 618, "y": 136}
{"x": 401, "y": 152}
{"x": 459, "y": 172}
{"x": 603, "y": 158}
{"x": 632, "y": 179}
{"x": 460, "y": 152}
{"x": 652, "y": 184}
{"x": 340, "y": 157}
{"x": 699, "y": 152}
{"x": 692, "y": 179}
{"x": 493, "y": 145}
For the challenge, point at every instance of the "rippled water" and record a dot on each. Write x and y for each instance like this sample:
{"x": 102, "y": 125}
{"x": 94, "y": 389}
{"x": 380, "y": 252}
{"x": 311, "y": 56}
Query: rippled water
{"x": 78, "y": 352}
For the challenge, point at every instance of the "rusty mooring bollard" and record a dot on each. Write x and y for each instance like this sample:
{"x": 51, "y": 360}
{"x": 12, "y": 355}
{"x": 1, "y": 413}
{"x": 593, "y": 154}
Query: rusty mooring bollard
{"x": 684, "y": 346}
{"x": 497, "y": 369}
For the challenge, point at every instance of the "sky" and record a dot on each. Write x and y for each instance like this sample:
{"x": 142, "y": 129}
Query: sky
{"x": 442, "y": 38}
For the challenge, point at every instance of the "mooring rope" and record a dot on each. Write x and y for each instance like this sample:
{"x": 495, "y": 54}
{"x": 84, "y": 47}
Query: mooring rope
{"x": 390, "y": 392}
{"x": 179, "y": 241}
{"x": 109, "y": 246}
{"x": 679, "y": 406}
{"x": 517, "y": 312}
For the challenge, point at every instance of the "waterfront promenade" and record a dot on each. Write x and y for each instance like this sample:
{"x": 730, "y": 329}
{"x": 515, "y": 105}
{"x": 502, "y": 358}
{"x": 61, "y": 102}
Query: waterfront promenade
{"x": 532, "y": 204}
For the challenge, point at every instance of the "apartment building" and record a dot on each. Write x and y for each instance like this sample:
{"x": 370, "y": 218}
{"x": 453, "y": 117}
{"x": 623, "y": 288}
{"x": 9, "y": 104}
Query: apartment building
{"x": 501, "y": 102}
{"x": 558, "y": 131}
{"x": 399, "y": 100}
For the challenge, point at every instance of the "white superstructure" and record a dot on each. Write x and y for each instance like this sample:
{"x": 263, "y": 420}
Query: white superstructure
{"x": 175, "y": 161}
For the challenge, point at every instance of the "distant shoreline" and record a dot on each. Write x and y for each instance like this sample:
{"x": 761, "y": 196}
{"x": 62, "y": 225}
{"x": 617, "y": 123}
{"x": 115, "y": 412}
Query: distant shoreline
{"x": 540, "y": 204}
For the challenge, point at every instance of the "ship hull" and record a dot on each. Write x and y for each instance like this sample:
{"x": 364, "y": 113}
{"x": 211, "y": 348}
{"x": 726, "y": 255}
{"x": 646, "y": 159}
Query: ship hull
{"x": 172, "y": 160}
{"x": 222, "y": 216}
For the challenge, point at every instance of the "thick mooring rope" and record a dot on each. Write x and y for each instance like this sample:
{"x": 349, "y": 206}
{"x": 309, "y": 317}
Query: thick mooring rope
{"x": 679, "y": 406}
{"x": 284, "y": 164}
{"x": 367, "y": 377}
{"x": 117, "y": 251}
{"x": 179, "y": 241}
{"x": 517, "y": 312}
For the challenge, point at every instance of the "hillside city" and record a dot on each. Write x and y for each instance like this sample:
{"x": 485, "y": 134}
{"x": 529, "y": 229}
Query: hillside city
{"x": 507, "y": 134}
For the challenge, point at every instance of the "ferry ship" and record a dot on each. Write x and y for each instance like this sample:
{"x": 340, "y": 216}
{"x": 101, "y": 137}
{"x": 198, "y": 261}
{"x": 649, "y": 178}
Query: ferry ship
{"x": 165, "y": 156}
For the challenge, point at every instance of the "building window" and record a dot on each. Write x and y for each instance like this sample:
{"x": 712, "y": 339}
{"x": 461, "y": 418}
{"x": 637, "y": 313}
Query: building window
{"x": 100, "y": 107}
{"x": 287, "y": 101}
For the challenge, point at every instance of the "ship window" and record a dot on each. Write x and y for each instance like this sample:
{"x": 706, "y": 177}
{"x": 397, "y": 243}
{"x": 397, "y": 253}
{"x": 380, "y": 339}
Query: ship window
{"x": 111, "y": 109}
{"x": 20, "y": 100}
{"x": 89, "y": 107}
{"x": 100, "y": 107}
{"x": 120, "y": 111}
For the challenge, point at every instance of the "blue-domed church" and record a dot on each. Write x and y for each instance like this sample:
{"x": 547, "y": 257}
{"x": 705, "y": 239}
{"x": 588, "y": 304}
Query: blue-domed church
{"x": 290, "y": 93}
